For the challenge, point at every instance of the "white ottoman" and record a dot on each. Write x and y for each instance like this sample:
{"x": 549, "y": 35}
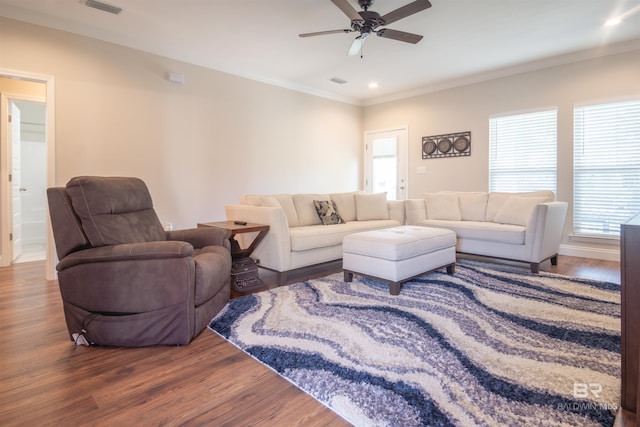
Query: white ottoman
{"x": 398, "y": 254}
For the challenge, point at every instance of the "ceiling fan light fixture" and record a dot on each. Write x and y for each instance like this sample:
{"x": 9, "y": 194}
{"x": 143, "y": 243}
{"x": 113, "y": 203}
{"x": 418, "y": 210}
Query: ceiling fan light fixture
{"x": 368, "y": 22}
{"x": 356, "y": 45}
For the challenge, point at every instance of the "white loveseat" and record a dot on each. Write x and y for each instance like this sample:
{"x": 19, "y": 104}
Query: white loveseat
{"x": 297, "y": 236}
{"x": 514, "y": 226}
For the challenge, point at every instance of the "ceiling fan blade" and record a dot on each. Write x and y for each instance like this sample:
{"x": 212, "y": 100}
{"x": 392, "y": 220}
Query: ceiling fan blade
{"x": 356, "y": 46}
{"x": 348, "y": 10}
{"x": 404, "y": 11}
{"x": 388, "y": 33}
{"x": 321, "y": 33}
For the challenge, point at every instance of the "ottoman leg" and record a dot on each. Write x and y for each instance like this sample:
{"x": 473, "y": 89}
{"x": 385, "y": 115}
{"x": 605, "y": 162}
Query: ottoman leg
{"x": 348, "y": 276}
{"x": 451, "y": 268}
{"x": 394, "y": 288}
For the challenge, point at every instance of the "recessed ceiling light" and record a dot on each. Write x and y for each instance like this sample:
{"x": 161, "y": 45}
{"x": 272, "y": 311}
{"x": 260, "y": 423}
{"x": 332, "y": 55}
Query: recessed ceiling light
{"x": 612, "y": 22}
{"x": 373, "y": 85}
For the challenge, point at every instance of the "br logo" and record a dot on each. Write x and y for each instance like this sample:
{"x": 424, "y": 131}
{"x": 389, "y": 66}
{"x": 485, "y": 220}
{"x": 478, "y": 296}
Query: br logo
{"x": 583, "y": 390}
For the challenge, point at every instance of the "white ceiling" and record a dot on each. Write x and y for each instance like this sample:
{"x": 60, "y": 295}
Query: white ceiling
{"x": 464, "y": 40}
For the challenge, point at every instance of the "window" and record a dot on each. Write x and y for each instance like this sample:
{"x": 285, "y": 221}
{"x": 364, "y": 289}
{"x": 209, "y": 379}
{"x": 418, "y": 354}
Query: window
{"x": 606, "y": 167}
{"x": 523, "y": 152}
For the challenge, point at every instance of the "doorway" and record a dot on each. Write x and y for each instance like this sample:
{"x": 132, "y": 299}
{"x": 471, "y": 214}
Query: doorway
{"x": 27, "y": 154}
{"x": 386, "y": 162}
{"x": 29, "y": 181}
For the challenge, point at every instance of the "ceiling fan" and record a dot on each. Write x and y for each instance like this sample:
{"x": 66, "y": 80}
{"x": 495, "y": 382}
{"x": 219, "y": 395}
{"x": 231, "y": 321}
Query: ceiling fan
{"x": 367, "y": 22}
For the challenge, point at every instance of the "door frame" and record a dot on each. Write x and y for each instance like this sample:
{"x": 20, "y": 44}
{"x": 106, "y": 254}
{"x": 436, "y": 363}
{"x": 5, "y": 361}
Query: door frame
{"x": 403, "y": 153}
{"x": 5, "y": 163}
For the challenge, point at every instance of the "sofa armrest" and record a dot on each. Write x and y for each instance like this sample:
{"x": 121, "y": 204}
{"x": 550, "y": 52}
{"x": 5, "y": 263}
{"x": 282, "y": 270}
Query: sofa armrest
{"x": 127, "y": 252}
{"x": 200, "y": 237}
{"x": 416, "y": 211}
{"x": 274, "y": 251}
{"x": 396, "y": 210}
{"x": 544, "y": 230}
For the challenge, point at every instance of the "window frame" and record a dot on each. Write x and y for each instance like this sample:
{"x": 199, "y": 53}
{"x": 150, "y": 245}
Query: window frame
{"x": 579, "y": 228}
{"x": 552, "y": 154}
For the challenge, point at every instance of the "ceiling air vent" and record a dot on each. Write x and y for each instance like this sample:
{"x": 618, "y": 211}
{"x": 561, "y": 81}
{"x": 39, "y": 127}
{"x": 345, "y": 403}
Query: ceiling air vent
{"x": 103, "y": 6}
{"x": 338, "y": 80}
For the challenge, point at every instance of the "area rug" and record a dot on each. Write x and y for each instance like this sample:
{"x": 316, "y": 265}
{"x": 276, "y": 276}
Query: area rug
{"x": 491, "y": 345}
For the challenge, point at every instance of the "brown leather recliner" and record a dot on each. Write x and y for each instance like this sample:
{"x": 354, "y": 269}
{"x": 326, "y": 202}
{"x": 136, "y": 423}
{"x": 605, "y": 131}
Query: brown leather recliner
{"x": 124, "y": 280}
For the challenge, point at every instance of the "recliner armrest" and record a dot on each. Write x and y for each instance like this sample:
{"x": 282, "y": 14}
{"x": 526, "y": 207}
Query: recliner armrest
{"x": 201, "y": 237}
{"x": 128, "y": 252}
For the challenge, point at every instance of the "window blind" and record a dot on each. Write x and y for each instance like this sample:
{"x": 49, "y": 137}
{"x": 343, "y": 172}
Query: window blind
{"x": 606, "y": 168}
{"x": 523, "y": 152}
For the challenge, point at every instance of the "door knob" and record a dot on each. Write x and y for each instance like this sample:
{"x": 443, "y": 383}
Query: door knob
{"x": 23, "y": 189}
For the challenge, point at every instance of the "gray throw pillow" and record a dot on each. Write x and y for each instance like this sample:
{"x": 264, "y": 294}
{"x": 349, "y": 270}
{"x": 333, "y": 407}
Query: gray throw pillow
{"x": 328, "y": 212}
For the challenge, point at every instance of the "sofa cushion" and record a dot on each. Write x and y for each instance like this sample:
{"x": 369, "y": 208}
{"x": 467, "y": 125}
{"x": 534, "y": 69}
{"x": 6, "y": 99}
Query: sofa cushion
{"x": 251, "y": 199}
{"x": 286, "y": 203}
{"x": 482, "y": 230}
{"x": 328, "y": 212}
{"x": 305, "y": 209}
{"x": 371, "y": 206}
{"x": 517, "y": 210}
{"x": 497, "y": 199}
{"x": 320, "y": 236}
{"x": 346, "y": 204}
{"x": 442, "y": 206}
{"x": 473, "y": 206}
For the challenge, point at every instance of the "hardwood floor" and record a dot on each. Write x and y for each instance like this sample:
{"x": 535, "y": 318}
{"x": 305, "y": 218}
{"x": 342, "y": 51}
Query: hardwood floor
{"x": 46, "y": 380}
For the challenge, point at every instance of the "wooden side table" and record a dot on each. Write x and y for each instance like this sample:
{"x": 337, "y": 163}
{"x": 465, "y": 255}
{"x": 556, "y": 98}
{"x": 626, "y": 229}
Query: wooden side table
{"x": 244, "y": 271}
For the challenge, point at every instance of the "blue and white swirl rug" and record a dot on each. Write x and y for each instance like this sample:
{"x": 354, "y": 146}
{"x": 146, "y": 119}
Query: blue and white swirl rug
{"x": 488, "y": 346}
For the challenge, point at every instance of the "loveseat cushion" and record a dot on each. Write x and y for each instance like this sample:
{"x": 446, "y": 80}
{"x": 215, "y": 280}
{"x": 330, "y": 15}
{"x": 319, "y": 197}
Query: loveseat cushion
{"x": 481, "y": 230}
{"x": 346, "y": 204}
{"x": 286, "y": 203}
{"x": 473, "y": 206}
{"x": 371, "y": 206}
{"x": 517, "y": 210}
{"x": 305, "y": 209}
{"x": 498, "y": 199}
{"x": 320, "y": 236}
{"x": 443, "y": 206}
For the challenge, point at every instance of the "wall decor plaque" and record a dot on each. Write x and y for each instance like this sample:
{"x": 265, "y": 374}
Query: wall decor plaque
{"x": 446, "y": 145}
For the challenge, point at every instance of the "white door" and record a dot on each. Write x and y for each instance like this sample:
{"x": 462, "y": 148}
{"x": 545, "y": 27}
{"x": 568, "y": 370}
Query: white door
{"x": 14, "y": 129}
{"x": 386, "y": 162}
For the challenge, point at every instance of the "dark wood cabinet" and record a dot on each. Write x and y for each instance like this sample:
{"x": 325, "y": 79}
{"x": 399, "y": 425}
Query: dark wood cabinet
{"x": 630, "y": 317}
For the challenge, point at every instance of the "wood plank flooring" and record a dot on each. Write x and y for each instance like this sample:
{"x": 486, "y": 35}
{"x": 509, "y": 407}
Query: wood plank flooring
{"x": 46, "y": 380}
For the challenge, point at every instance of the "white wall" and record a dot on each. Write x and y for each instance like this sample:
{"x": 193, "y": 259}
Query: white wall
{"x": 198, "y": 146}
{"x": 468, "y": 109}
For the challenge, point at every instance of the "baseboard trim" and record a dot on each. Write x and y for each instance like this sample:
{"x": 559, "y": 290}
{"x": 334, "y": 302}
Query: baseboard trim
{"x": 596, "y": 253}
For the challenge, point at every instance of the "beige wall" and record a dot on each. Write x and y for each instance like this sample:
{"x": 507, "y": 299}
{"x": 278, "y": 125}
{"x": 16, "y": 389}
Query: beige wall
{"x": 468, "y": 109}
{"x": 201, "y": 144}
{"x": 198, "y": 145}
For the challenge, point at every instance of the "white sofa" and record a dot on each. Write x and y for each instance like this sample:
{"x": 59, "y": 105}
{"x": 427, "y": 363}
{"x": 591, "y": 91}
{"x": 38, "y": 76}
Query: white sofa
{"x": 514, "y": 226}
{"x": 297, "y": 236}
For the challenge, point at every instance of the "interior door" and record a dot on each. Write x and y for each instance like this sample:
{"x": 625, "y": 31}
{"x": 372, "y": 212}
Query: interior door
{"x": 386, "y": 162}
{"x": 14, "y": 129}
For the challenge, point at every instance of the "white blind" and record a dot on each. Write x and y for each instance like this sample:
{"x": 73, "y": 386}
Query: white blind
{"x": 606, "y": 167}
{"x": 523, "y": 152}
